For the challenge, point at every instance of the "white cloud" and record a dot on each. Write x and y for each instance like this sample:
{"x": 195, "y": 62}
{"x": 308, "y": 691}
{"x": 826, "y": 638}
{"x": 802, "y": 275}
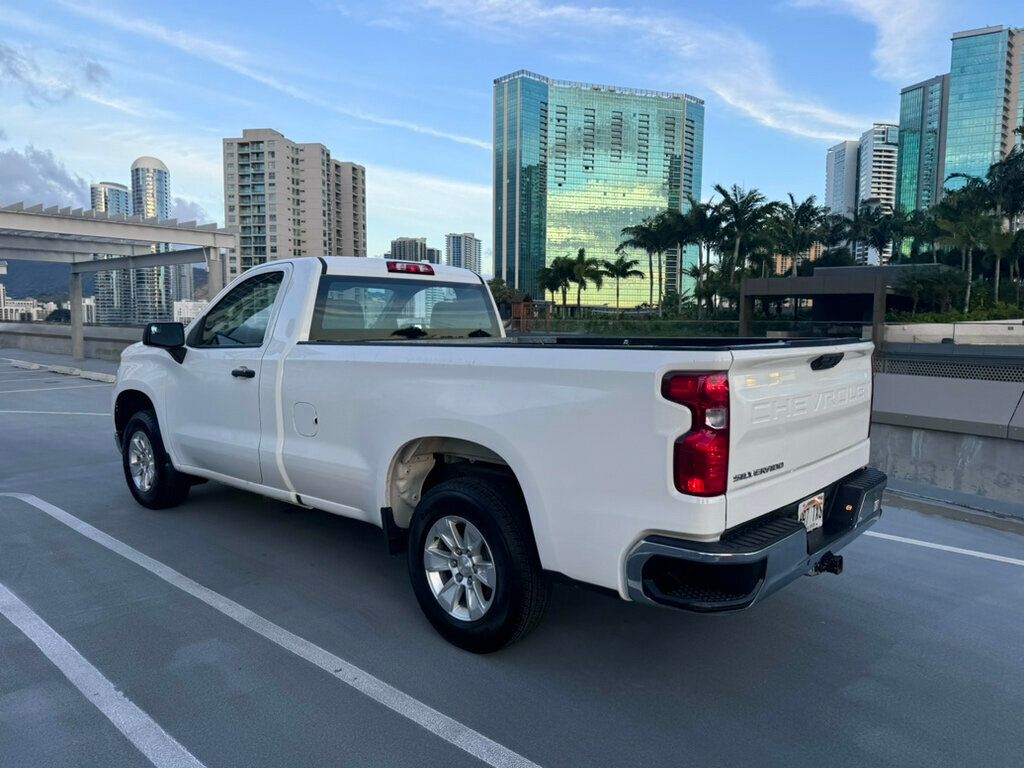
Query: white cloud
{"x": 720, "y": 59}
{"x": 402, "y": 203}
{"x": 237, "y": 61}
{"x": 908, "y": 33}
{"x": 185, "y": 210}
{"x": 37, "y": 176}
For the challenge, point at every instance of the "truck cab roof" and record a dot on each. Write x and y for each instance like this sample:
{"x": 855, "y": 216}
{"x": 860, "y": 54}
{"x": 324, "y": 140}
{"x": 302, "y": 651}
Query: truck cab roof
{"x": 359, "y": 266}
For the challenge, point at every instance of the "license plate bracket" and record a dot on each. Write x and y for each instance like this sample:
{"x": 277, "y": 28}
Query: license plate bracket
{"x": 811, "y": 512}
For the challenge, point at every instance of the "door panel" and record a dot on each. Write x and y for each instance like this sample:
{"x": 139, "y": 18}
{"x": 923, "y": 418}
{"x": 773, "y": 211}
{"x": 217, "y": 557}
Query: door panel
{"x": 214, "y": 403}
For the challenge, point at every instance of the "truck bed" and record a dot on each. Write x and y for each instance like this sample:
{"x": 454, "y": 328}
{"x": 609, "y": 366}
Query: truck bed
{"x": 709, "y": 343}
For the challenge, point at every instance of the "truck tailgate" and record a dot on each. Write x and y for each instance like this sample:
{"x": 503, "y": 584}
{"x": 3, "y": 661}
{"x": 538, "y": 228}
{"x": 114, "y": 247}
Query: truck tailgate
{"x": 791, "y": 411}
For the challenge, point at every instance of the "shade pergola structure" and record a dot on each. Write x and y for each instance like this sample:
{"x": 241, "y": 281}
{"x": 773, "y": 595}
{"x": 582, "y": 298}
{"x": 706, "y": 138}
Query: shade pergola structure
{"x": 840, "y": 294}
{"x": 75, "y": 236}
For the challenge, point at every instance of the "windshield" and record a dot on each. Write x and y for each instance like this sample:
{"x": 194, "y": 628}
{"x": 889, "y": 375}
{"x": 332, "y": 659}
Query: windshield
{"x": 389, "y": 309}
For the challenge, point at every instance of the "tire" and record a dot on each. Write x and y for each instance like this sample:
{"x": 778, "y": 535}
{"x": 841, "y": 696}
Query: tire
{"x": 520, "y": 588}
{"x": 162, "y": 486}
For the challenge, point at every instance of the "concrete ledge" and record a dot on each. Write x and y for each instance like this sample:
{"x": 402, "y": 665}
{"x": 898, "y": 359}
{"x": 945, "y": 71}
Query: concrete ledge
{"x": 964, "y": 406}
{"x": 985, "y": 473}
{"x": 102, "y": 342}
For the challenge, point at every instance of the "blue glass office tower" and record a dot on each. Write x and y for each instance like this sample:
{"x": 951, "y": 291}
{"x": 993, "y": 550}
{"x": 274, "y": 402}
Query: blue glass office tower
{"x": 574, "y": 163}
{"x": 986, "y": 100}
{"x": 921, "y": 160}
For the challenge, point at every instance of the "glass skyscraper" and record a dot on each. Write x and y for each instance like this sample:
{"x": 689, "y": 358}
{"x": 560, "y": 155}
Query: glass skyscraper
{"x": 574, "y": 163}
{"x": 156, "y": 288}
{"x": 986, "y": 100}
{"x": 115, "y": 303}
{"x": 922, "y": 144}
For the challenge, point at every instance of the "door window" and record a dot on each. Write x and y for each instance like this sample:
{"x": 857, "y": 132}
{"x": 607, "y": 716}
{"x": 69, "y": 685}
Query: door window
{"x": 240, "y": 319}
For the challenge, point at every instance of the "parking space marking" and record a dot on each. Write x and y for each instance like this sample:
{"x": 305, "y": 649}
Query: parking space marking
{"x": 30, "y": 381}
{"x": 158, "y": 746}
{"x": 61, "y": 413}
{"x": 51, "y": 389}
{"x": 946, "y": 548}
{"x": 451, "y": 730}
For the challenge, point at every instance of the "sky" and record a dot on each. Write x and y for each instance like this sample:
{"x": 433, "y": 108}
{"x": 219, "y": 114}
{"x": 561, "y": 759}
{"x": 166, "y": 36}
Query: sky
{"x": 404, "y": 87}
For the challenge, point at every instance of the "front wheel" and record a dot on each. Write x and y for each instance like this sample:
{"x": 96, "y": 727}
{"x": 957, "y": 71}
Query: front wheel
{"x": 151, "y": 477}
{"x": 473, "y": 565}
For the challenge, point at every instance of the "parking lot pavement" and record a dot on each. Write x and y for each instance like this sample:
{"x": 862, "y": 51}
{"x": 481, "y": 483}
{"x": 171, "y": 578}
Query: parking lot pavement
{"x": 912, "y": 657}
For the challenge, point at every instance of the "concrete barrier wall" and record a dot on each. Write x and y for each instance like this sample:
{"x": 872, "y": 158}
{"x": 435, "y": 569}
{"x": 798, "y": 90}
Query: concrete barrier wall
{"x": 984, "y": 473}
{"x": 979, "y": 332}
{"x": 102, "y": 342}
{"x": 957, "y": 440}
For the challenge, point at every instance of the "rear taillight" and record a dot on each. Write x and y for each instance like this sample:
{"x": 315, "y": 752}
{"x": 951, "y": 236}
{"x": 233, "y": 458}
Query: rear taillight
{"x": 410, "y": 267}
{"x": 701, "y": 457}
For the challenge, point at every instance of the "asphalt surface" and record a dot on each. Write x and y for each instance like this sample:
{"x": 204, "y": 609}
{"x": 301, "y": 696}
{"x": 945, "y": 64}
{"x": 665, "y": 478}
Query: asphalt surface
{"x": 913, "y": 657}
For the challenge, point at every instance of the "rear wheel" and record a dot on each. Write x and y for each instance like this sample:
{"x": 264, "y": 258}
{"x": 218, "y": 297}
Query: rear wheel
{"x": 473, "y": 565}
{"x": 151, "y": 478}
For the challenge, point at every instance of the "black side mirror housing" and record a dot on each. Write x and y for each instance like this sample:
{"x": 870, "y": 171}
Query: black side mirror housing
{"x": 169, "y": 336}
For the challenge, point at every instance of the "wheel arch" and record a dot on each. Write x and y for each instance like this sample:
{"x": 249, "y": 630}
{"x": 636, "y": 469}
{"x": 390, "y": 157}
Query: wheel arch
{"x": 423, "y": 462}
{"x": 127, "y": 404}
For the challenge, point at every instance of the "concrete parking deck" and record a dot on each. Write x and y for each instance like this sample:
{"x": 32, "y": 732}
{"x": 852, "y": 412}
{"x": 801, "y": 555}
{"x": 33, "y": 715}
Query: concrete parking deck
{"x": 911, "y": 658}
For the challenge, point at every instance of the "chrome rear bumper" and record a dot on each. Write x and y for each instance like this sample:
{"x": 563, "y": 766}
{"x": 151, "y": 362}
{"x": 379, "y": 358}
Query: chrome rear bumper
{"x": 753, "y": 561}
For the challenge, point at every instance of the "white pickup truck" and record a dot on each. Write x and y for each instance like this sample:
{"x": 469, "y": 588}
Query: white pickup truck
{"x": 702, "y": 474}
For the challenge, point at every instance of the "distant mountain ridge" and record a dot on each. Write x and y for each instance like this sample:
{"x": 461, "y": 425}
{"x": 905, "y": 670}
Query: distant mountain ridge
{"x": 42, "y": 280}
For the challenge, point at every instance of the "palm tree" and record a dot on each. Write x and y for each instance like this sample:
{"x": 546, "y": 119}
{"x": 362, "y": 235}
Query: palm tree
{"x": 1000, "y": 244}
{"x": 642, "y": 238}
{"x": 621, "y": 269}
{"x": 743, "y": 212}
{"x": 798, "y": 226}
{"x": 550, "y": 279}
{"x": 703, "y": 226}
{"x": 584, "y": 272}
{"x": 966, "y": 233}
{"x": 557, "y": 276}
{"x": 877, "y": 226}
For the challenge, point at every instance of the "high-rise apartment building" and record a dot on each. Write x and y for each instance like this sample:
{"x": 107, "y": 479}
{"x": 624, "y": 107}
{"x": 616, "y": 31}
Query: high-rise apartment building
{"x": 409, "y": 249}
{"x": 841, "y": 175}
{"x": 156, "y": 288}
{"x": 115, "y": 303}
{"x": 876, "y": 183}
{"x": 986, "y": 100}
{"x": 922, "y": 144}
{"x": 462, "y": 250}
{"x": 434, "y": 255}
{"x": 290, "y": 199}
{"x": 574, "y": 163}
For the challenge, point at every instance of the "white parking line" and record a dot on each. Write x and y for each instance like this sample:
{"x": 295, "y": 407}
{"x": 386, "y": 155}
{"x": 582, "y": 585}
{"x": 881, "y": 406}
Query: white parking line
{"x": 439, "y": 724}
{"x": 945, "y": 548}
{"x": 51, "y": 389}
{"x": 158, "y": 746}
{"x": 61, "y": 413}
{"x": 32, "y": 380}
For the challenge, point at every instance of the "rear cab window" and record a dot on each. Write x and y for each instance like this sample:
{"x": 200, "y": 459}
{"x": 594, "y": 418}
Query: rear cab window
{"x": 395, "y": 309}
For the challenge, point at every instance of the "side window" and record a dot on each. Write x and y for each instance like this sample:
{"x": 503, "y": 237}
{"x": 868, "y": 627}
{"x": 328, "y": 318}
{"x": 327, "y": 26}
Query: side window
{"x": 240, "y": 319}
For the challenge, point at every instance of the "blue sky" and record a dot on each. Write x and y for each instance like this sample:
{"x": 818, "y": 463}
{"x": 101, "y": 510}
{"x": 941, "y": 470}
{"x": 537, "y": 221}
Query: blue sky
{"x": 404, "y": 87}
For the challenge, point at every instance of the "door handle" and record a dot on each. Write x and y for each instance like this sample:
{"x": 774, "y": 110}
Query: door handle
{"x": 244, "y": 373}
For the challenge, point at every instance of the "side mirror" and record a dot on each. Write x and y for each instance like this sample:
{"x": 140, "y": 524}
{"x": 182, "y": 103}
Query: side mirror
{"x": 169, "y": 336}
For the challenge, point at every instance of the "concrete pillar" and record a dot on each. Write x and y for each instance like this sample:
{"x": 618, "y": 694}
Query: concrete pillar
{"x": 215, "y": 264}
{"x": 878, "y": 313}
{"x": 77, "y": 329}
{"x": 746, "y": 314}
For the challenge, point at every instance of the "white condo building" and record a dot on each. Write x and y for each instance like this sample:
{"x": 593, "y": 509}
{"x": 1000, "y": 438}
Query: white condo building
{"x": 463, "y": 250}
{"x": 289, "y": 199}
{"x": 841, "y": 172}
{"x": 877, "y": 179}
